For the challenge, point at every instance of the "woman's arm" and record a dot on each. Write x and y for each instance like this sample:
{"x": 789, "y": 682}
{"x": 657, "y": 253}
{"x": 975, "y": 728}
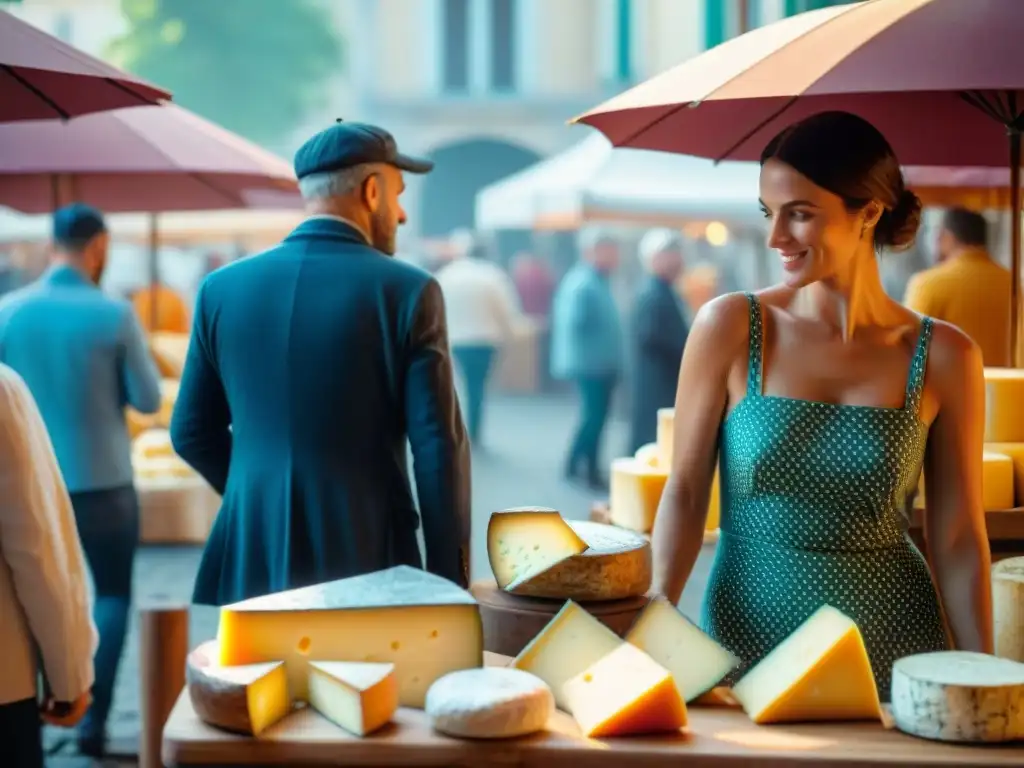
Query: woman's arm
{"x": 718, "y": 338}
{"x": 954, "y": 524}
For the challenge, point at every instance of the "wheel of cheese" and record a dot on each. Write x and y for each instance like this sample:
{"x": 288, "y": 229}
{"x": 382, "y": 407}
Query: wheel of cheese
{"x": 616, "y": 565}
{"x": 489, "y": 703}
{"x": 959, "y": 696}
{"x": 510, "y": 622}
{"x": 1004, "y": 405}
{"x": 1008, "y": 608}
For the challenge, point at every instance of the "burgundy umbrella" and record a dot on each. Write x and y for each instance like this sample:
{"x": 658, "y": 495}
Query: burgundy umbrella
{"x": 42, "y": 78}
{"x": 144, "y": 159}
{"x": 942, "y": 79}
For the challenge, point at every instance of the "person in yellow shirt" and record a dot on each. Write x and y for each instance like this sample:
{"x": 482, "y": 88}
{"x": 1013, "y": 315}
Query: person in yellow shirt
{"x": 172, "y": 314}
{"x": 967, "y": 287}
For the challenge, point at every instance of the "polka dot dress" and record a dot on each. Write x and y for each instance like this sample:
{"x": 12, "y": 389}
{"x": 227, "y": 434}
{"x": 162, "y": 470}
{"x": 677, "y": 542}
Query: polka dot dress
{"x": 812, "y": 495}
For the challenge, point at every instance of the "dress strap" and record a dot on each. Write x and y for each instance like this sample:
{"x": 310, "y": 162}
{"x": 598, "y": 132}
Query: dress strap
{"x": 755, "y": 355}
{"x": 918, "y": 366}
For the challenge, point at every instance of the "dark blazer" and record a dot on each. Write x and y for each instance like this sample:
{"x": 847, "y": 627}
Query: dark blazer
{"x": 659, "y": 334}
{"x": 309, "y": 366}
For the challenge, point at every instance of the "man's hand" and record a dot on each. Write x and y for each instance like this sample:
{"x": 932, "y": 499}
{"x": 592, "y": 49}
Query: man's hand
{"x": 65, "y": 714}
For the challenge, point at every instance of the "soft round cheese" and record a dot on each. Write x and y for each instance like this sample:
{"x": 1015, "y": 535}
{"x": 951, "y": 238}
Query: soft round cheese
{"x": 1008, "y": 608}
{"x": 648, "y": 455}
{"x": 959, "y": 696}
{"x": 489, "y": 703}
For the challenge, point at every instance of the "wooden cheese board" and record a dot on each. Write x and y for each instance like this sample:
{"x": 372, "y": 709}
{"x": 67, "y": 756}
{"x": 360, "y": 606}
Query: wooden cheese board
{"x": 718, "y": 737}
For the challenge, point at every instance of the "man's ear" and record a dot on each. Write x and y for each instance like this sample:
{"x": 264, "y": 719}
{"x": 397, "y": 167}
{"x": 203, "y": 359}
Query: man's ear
{"x": 373, "y": 194}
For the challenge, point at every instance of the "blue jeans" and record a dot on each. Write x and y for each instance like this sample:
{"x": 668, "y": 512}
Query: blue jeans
{"x": 475, "y": 363}
{"x": 108, "y": 525}
{"x": 595, "y": 404}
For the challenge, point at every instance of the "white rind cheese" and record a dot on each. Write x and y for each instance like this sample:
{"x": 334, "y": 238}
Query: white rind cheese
{"x": 489, "y": 703}
{"x": 959, "y": 696}
{"x": 1008, "y": 608}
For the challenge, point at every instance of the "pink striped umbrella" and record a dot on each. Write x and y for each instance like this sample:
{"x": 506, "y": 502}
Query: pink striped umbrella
{"x": 942, "y": 79}
{"x": 43, "y": 78}
{"x": 144, "y": 159}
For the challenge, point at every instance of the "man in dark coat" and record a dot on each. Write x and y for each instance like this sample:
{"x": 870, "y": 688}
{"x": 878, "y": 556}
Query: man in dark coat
{"x": 659, "y": 333}
{"x": 309, "y": 366}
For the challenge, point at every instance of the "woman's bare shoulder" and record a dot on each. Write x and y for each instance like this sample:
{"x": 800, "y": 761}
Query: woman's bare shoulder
{"x": 952, "y": 354}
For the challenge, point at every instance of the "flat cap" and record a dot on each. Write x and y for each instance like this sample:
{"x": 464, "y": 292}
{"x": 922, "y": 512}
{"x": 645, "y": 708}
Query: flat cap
{"x": 345, "y": 145}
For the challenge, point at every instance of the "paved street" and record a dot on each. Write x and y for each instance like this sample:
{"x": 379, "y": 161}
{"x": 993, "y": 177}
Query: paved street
{"x": 518, "y": 464}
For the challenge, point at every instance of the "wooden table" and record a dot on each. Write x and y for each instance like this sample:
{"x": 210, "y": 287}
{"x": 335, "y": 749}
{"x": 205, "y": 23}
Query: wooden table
{"x": 717, "y": 738}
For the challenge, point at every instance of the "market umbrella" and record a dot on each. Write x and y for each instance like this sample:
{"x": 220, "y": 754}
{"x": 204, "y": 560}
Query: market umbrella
{"x": 43, "y": 78}
{"x": 942, "y": 79}
{"x": 976, "y": 188}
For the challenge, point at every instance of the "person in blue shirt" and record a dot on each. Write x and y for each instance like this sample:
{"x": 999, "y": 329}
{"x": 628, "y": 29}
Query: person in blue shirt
{"x": 84, "y": 359}
{"x": 587, "y": 348}
{"x": 309, "y": 367}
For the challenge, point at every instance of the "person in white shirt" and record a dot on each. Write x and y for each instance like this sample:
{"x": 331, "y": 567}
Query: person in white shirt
{"x": 482, "y": 309}
{"x": 45, "y": 609}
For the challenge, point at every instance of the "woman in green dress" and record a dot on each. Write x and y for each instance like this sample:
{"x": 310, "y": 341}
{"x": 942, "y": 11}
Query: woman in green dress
{"x": 822, "y": 398}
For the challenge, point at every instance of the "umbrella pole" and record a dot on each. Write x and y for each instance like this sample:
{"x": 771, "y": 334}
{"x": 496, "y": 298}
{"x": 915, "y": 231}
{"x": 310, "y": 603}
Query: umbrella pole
{"x": 1015, "y": 245}
{"x": 154, "y": 270}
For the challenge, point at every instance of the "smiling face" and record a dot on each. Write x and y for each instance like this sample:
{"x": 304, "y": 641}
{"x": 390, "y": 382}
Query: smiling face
{"x": 816, "y": 235}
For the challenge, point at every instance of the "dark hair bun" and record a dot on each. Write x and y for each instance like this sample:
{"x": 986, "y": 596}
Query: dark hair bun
{"x": 897, "y": 228}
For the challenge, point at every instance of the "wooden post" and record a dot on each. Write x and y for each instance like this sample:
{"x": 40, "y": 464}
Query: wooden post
{"x": 163, "y": 647}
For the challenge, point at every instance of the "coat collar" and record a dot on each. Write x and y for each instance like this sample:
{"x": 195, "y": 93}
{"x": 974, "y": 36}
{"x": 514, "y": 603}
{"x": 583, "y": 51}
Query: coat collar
{"x": 330, "y": 228}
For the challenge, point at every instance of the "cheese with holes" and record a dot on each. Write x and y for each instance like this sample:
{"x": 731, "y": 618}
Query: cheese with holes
{"x": 635, "y": 492}
{"x": 996, "y": 483}
{"x": 1008, "y": 608}
{"x": 613, "y": 565}
{"x": 820, "y": 672}
{"x": 648, "y": 455}
{"x": 697, "y": 662}
{"x": 625, "y": 693}
{"x": 357, "y": 696}
{"x": 959, "y": 696}
{"x": 524, "y": 541}
{"x": 243, "y": 699}
{"x": 1016, "y": 453}
{"x": 568, "y": 644}
{"x": 489, "y": 703}
{"x": 666, "y": 434}
{"x": 1004, "y": 405}
{"x": 423, "y": 624}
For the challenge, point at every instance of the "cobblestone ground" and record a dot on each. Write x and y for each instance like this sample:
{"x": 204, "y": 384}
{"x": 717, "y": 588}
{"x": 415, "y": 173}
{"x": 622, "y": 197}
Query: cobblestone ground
{"x": 519, "y": 463}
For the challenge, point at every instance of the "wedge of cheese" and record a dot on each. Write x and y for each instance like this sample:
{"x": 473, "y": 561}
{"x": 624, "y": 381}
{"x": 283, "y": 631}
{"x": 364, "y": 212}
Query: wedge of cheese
{"x": 357, "y": 696}
{"x": 245, "y": 699}
{"x": 820, "y": 672}
{"x": 996, "y": 483}
{"x": 542, "y": 549}
{"x": 697, "y": 662}
{"x": 959, "y": 696}
{"x": 1008, "y": 608}
{"x": 1004, "y": 405}
{"x": 625, "y": 693}
{"x": 425, "y": 625}
{"x": 571, "y": 642}
{"x": 524, "y": 541}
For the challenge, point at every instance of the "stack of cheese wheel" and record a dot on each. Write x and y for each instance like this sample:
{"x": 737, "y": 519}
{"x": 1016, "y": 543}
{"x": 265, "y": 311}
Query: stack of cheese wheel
{"x": 1004, "y": 433}
{"x": 637, "y": 483}
{"x": 140, "y": 422}
{"x": 176, "y": 505}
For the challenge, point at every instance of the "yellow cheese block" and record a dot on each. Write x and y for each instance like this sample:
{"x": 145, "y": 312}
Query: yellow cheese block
{"x": 244, "y": 699}
{"x": 625, "y": 693}
{"x": 996, "y": 483}
{"x": 523, "y": 542}
{"x": 1016, "y": 453}
{"x": 820, "y": 672}
{"x": 666, "y": 434}
{"x": 697, "y": 662}
{"x": 568, "y": 644}
{"x": 357, "y": 696}
{"x": 635, "y": 492}
{"x": 425, "y": 625}
{"x": 1004, "y": 405}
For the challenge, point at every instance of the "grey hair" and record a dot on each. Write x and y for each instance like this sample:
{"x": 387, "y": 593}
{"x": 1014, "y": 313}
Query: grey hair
{"x": 318, "y": 186}
{"x": 591, "y": 237}
{"x": 658, "y": 241}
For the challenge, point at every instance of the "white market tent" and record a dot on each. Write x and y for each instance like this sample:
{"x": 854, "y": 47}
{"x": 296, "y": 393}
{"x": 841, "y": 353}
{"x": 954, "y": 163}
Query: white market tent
{"x": 591, "y": 181}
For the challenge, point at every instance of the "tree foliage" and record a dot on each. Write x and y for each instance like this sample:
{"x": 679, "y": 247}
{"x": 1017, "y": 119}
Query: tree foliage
{"x": 257, "y": 67}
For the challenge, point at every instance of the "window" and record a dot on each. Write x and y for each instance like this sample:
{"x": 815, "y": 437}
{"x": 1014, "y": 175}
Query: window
{"x": 455, "y": 45}
{"x": 503, "y": 44}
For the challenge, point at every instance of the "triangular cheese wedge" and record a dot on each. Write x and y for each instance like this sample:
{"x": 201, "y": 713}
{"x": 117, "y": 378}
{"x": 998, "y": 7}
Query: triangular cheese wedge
{"x": 697, "y": 662}
{"x": 425, "y": 625}
{"x": 820, "y": 672}
{"x": 525, "y": 541}
{"x": 359, "y": 697}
